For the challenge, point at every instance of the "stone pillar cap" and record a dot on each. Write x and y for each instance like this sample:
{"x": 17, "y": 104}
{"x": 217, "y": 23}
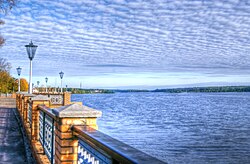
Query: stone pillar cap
{"x": 40, "y": 97}
{"x": 76, "y": 111}
{"x": 21, "y": 92}
{"x": 28, "y": 94}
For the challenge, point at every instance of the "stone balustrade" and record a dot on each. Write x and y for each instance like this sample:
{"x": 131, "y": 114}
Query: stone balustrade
{"x": 97, "y": 147}
{"x": 7, "y": 95}
{"x": 62, "y": 132}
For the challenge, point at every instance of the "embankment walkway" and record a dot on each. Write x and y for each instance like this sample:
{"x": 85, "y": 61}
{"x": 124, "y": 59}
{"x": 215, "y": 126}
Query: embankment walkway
{"x": 12, "y": 148}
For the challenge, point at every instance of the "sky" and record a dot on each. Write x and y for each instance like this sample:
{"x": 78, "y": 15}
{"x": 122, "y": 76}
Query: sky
{"x": 142, "y": 44}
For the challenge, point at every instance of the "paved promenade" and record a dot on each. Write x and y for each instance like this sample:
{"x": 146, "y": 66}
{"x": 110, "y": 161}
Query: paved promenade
{"x": 11, "y": 141}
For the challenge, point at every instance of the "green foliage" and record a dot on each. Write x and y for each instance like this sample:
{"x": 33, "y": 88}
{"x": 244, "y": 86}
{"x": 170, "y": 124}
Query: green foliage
{"x": 24, "y": 85}
{"x": 88, "y": 91}
{"x": 173, "y": 90}
{"x": 207, "y": 89}
{"x": 131, "y": 90}
{"x": 7, "y": 83}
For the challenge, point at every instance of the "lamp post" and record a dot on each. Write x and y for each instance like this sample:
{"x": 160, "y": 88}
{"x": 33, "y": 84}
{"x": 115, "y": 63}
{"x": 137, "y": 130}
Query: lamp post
{"x": 38, "y": 82}
{"x": 61, "y": 76}
{"x": 46, "y": 80}
{"x": 31, "y": 50}
{"x": 19, "y": 69}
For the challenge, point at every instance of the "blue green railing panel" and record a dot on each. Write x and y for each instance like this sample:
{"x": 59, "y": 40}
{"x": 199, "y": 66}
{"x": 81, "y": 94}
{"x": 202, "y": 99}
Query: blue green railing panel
{"x": 89, "y": 155}
{"x": 48, "y": 137}
{"x": 41, "y": 127}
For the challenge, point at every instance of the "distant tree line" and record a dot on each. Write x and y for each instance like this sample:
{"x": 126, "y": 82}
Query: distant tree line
{"x": 172, "y": 90}
{"x": 131, "y": 90}
{"x": 88, "y": 91}
{"x": 207, "y": 89}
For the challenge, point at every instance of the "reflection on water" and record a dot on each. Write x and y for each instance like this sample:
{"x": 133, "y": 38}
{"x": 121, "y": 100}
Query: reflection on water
{"x": 178, "y": 128}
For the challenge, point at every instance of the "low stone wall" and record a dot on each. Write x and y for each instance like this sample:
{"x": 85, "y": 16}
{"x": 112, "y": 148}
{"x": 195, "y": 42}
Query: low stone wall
{"x": 67, "y": 133}
{"x": 7, "y": 95}
{"x": 37, "y": 112}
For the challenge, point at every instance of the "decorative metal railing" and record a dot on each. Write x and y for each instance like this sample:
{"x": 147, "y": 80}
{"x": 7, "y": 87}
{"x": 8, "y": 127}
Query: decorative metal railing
{"x": 46, "y": 134}
{"x": 49, "y": 137}
{"x": 41, "y": 127}
{"x": 89, "y": 155}
{"x": 30, "y": 114}
{"x": 56, "y": 99}
{"x": 95, "y": 147}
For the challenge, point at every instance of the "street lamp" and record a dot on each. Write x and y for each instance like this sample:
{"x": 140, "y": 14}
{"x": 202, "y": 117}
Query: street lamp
{"x": 46, "y": 80}
{"x": 31, "y": 50}
{"x": 38, "y": 82}
{"x": 61, "y": 76}
{"x": 19, "y": 69}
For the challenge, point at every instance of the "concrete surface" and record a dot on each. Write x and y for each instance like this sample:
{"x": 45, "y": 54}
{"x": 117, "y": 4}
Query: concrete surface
{"x": 12, "y": 148}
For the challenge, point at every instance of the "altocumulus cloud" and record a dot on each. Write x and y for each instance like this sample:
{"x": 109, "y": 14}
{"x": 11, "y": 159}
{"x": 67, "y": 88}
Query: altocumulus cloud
{"x": 100, "y": 37}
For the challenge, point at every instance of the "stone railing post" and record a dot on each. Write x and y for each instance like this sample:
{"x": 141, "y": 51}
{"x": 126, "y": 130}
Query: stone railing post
{"x": 17, "y": 101}
{"x": 21, "y": 109}
{"x": 66, "y": 145}
{"x": 20, "y": 104}
{"x": 66, "y": 98}
{"x": 34, "y": 102}
{"x": 13, "y": 95}
{"x": 24, "y": 106}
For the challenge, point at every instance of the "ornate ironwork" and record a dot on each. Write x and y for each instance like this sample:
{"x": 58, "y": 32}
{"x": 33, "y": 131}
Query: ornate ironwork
{"x": 41, "y": 126}
{"x": 49, "y": 137}
{"x": 89, "y": 155}
{"x": 30, "y": 114}
{"x": 56, "y": 99}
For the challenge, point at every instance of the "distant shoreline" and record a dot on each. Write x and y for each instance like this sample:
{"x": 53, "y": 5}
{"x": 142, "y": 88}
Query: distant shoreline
{"x": 206, "y": 89}
{"x": 168, "y": 90}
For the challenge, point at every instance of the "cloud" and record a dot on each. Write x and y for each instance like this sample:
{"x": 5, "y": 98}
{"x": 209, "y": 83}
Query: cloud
{"x": 131, "y": 36}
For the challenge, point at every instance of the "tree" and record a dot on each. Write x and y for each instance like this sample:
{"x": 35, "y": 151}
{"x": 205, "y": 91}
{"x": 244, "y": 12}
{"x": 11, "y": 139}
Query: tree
{"x": 2, "y": 40}
{"x": 6, "y": 82}
{"x": 5, "y": 6}
{"x": 4, "y": 65}
{"x": 24, "y": 85}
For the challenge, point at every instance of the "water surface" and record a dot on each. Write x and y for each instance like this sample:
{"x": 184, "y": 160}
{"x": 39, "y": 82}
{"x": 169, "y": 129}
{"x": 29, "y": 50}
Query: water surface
{"x": 178, "y": 128}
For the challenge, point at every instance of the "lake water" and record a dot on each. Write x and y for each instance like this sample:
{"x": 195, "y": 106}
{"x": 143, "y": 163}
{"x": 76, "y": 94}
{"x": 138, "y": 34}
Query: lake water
{"x": 178, "y": 128}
